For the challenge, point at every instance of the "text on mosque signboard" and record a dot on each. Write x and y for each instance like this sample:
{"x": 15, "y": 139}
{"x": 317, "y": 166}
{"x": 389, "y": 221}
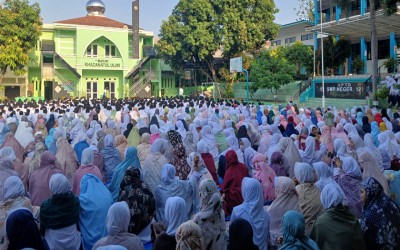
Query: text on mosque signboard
{"x": 102, "y": 64}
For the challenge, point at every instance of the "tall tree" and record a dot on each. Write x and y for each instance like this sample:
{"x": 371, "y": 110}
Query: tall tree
{"x": 336, "y": 52}
{"x": 305, "y": 10}
{"x": 389, "y": 7}
{"x": 271, "y": 71}
{"x": 20, "y": 29}
{"x": 197, "y": 29}
{"x": 300, "y": 55}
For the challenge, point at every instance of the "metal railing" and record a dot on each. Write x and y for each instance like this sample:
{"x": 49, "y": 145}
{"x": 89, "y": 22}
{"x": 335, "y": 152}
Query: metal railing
{"x": 138, "y": 85}
{"x": 66, "y": 84}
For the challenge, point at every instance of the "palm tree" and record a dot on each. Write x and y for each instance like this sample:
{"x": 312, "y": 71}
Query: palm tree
{"x": 389, "y": 7}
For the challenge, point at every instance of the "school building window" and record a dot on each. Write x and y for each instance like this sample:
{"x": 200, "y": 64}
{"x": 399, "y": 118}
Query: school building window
{"x": 306, "y": 37}
{"x": 290, "y": 40}
{"x": 276, "y": 42}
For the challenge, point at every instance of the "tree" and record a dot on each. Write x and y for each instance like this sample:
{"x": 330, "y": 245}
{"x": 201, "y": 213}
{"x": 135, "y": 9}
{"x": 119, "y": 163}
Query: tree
{"x": 305, "y": 10}
{"x": 271, "y": 71}
{"x": 300, "y": 55}
{"x": 197, "y": 29}
{"x": 245, "y": 24}
{"x": 336, "y": 52}
{"x": 20, "y": 29}
{"x": 389, "y": 7}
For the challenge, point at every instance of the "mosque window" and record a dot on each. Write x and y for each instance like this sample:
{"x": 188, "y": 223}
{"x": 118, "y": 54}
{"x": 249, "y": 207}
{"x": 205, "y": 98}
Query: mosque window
{"x": 110, "y": 50}
{"x": 91, "y": 50}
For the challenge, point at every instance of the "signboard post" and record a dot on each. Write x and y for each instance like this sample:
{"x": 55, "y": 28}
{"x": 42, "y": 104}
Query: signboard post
{"x": 236, "y": 65}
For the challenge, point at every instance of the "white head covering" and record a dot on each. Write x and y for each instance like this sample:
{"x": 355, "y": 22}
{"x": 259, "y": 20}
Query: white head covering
{"x": 108, "y": 140}
{"x": 87, "y": 156}
{"x": 202, "y": 147}
{"x": 350, "y": 166}
{"x": 253, "y": 207}
{"x": 304, "y": 172}
{"x": 332, "y": 196}
{"x": 158, "y": 146}
{"x": 181, "y": 129}
{"x": 117, "y": 221}
{"x": 168, "y": 174}
{"x": 386, "y": 145}
{"x": 308, "y": 154}
{"x": 7, "y": 154}
{"x": 13, "y": 188}
{"x": 323, "y": 173}
{"x": 175, "y": 213}
{"x": 59, "y": 184}
{"x": 154, "y": 129}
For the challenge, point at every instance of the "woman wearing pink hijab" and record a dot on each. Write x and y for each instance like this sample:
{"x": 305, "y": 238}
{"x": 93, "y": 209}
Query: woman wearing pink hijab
{"x": 265, "y": 175}
{"x": 326, "y": 138}
{"x": 339, "y": 133}
{"x": 283, "y": 121}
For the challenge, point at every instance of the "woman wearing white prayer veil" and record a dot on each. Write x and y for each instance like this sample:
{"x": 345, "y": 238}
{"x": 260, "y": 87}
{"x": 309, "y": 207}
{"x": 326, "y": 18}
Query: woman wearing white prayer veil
{"x": 252, "y": 210}
{"x": 290, "y": 154}
{"x": 370, "y": 170}
{"x": 324, "y": 175}
{"x": 374, "y": 151}
{"x": 172, "y": 186}
{"x": 286, "y": 199}
{"x": 273, "y": 146}
{"x": 309, "y": 195}
{"x": 357, "y": 143}
{"x": 117, "y": 228}
{"x": 310, "y": 155}
{"x": 387, "y": 149}
{"x": 175, "y": 208}
{"x": 154, "y": 162}
{"x": 228, "y": 131}
{"x": 208, "y": 138}
{"x": 350, "y": 129}
{"x": 248, "y": 153}
{"x": 181, "y": 129}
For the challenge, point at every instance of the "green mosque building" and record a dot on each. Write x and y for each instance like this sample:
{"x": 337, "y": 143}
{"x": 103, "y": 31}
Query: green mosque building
{"x": 81, "y": 57}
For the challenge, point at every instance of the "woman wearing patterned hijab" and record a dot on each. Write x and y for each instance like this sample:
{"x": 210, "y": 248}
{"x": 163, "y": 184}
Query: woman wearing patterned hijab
{"x": 180, "y": 162}
{"x": 189, "y": 237}
{"x": 139, "y": 198}
{"x": 211, "y": 217}
{"x": 380, "y": 218}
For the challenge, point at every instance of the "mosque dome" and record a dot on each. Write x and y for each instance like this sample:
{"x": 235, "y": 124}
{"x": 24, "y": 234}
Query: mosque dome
{"x": 95, "y": 8}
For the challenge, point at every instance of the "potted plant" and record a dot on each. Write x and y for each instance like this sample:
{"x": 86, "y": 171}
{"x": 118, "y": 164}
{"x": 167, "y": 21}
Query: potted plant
{"x": 390, "y": 64}
{"x": 382, "y": 95}
{"x": 358, "y": 65}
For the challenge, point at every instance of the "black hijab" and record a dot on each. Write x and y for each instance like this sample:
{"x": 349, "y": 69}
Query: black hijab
{"x": 366, "y": 126}
{"x": 129, "y": 127}
{"x": 22, "y": 231}
{"x": 50, "y": 123}
{"x": 241, "y": 236}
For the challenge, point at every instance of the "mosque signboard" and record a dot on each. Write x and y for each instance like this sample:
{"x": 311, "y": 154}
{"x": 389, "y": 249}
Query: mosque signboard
{"x": 102, "y": 63}
{"x": 342, "y": 90}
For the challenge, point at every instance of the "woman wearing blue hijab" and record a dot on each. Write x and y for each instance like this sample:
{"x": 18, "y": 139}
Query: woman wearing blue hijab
{"x": 375, "y": 131}
{"x": 131, "y": 160}
{"x": 3, "y": 133}
{"x": 95, "y": 200}
{"x": 294, "y": 236}
{"x": 49, "y": 138}
{"x": 111, "y": 157}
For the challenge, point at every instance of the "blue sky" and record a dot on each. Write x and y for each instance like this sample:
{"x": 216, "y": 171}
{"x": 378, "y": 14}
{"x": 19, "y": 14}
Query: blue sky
{"x": 152, "y": 11}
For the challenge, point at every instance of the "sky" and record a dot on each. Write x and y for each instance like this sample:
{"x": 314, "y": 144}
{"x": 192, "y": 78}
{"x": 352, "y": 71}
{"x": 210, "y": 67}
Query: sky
{"x": 152, "y": 11}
